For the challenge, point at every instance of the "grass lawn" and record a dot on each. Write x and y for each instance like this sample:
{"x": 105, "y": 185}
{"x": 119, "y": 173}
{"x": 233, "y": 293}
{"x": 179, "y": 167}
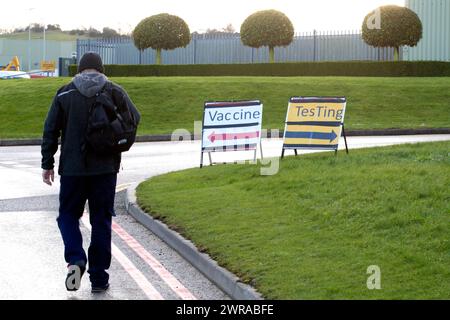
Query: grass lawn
{"x": 312, "y": 230}
{"x": 172, "y": 103}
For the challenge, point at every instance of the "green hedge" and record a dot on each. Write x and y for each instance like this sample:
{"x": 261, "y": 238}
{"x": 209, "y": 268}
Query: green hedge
{"x": 368, "y": 69}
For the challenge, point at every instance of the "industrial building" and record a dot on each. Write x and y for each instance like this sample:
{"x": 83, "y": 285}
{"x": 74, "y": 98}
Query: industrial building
{"x": 435, "y": 44}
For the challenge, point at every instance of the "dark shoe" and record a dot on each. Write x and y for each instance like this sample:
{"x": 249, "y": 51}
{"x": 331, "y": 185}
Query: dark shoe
{"x": 72, "y": 283}
{"x": 100, "y": 289}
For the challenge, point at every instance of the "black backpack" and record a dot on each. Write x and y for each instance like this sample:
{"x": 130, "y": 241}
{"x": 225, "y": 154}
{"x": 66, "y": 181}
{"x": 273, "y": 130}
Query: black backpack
{"x": 111, "y": 124}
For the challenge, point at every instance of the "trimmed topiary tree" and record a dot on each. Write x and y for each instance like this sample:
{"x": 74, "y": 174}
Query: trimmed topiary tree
{"x": 269, "y": 28}
{"x": 161, "y": 32}
{"x": 398, "y": 26}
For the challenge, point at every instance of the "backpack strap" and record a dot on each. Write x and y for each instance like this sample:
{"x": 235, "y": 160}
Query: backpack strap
{"x": 91, "y": 101}
{"x": 107, "y": 87}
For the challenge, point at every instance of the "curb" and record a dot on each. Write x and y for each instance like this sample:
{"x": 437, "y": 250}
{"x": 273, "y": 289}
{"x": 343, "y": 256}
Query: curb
{"x": 168, "y": 137}
{"x": 396, "y": 132}
{"x": 20, "y": 142}
{"x": 224, "y": 279}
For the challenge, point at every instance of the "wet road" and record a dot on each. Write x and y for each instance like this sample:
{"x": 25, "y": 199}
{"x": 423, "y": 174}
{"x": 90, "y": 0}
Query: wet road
{"x": 32, "y": 264}
{"x": 143, "y": 267}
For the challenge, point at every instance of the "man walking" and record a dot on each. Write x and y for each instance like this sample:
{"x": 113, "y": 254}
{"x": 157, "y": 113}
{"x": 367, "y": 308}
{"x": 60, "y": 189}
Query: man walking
{"x": 85, "y": 174}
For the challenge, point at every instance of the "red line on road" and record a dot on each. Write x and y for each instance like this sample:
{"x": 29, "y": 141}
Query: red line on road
{"x": 165, "y": 275}
{"x": 129, "y": 267}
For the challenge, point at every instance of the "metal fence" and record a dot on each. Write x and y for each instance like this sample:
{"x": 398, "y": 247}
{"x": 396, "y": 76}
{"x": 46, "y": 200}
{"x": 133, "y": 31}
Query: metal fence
{"x": 228, "y": 48}
{"x": 31, "y": 53}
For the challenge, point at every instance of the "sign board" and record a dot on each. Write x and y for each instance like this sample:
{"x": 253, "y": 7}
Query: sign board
{"x": 48, "y": 66}
{"x": 231, "y": 126}
{"x": 314, "y": 123}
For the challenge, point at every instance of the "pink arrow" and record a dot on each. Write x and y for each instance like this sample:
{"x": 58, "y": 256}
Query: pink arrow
{"x": 232, "y": 136}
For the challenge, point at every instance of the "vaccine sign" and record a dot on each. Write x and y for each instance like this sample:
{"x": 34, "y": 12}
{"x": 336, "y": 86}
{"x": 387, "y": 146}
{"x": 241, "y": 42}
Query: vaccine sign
{"x": 231, "y": 126}
{"x": 314, "y": 123}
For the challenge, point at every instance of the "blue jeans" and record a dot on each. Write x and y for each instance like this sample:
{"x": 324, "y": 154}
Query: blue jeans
{"x": 100, "y": 191}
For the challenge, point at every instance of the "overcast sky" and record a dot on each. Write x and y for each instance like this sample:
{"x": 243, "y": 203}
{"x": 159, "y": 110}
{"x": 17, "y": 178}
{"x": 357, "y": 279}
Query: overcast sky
{"x": 306, "y": 15}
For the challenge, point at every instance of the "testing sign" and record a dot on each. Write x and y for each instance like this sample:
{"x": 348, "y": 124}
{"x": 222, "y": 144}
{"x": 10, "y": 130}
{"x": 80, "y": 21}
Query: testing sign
{"x": 231, "y": 126}
{"x": 314, "y": 123}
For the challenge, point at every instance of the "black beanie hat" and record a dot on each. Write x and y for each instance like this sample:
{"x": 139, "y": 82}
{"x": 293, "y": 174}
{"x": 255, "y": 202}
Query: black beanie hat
{"x": 91, "y": 60}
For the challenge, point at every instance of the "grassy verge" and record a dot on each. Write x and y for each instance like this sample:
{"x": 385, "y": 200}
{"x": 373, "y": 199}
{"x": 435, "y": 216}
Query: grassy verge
{"x": 171, "y": 103}
{"x": 312, "y": 230}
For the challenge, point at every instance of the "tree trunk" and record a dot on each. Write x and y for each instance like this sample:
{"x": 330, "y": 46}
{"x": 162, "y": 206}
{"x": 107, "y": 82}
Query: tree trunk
{"x": 396, "y": 53}
{"x": 158, "y": 56}
{"x": 271, "y": 54}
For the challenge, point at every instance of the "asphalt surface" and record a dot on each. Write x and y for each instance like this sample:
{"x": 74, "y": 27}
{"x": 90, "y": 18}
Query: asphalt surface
{"x": 143, "y": 267}
{"x": 32, "y": 264}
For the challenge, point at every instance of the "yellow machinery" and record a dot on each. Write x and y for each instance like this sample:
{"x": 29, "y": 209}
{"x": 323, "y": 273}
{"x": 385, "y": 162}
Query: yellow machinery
{"x": 14, "y": 65}
{"x": 12, "y": 71}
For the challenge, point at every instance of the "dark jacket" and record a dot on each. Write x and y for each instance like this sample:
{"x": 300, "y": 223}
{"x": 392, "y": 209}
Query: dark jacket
{"x": 68, "y": 118}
